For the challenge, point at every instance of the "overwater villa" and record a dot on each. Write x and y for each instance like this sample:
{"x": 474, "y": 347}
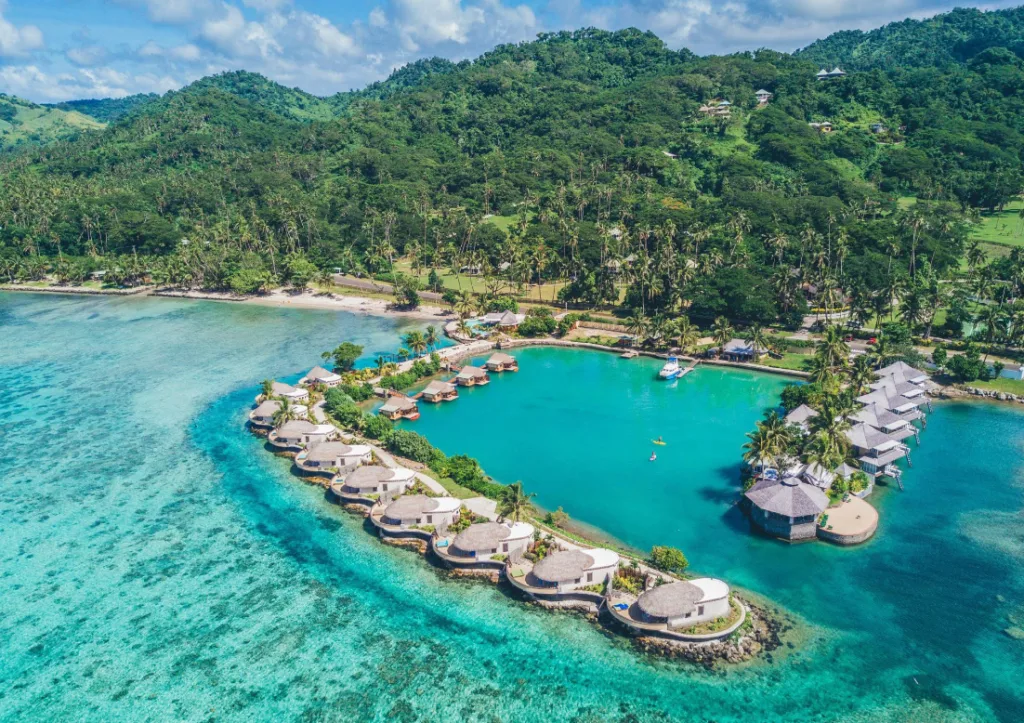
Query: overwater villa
{"x": 415, "y": 516}
{"x": 318, "y": 376}
{"x": 292, "y": 394}
{"x": 367, "y": 484}
{"x": 903, "y": 372}
{"x": 876, "y": 450}
{"x": 500, "y": 362}
{"x": 438, "y": 391}
{"x": 877, "y": 416}
{"x": 333, "y": 457}
{"x": 472, "y": 377}
{"x": 668, "y": 609}
{"x": 737, "y": 350}
{"x": 400, "y": 407}
{"x": 566, "y": 576}
{"x": 485, "y": 542}
{"x": 297, "y": 434}
{"x": 263, "y": 414}
{"x": 786, "y": 506}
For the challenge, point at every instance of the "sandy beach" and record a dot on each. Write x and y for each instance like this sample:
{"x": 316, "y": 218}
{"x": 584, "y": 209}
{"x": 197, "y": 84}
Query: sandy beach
{"x": 277, "y": 297}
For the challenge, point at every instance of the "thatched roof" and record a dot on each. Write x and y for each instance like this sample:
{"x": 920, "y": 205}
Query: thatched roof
{"x": 501, "y": 358}
{"x": 296, "y": 426}
{"x": 484, "y": 536}
{"x": 267, "y": 408}
{"x": 371, "y": 475}
{"x": 563, "y": 566}
{"x": 470, "y": 372}
{"x": 787, "y": 497}
{"x": 321, "y": 373}
{"x": 398, "y": 404}
{"x": 438, "y": 387}
{"x": 327, "y": 452}
{"x": 673, "y": 600}
{"x": 280, "y": 389}
{"x": 409, "y": 506}
{"x": 508, "y": 319}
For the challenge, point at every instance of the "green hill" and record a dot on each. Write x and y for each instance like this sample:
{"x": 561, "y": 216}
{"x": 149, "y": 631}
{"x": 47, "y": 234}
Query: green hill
{"x": 107, "y": 109}
{"x": 25, "y": 123}
{"x": 951, "y": 38}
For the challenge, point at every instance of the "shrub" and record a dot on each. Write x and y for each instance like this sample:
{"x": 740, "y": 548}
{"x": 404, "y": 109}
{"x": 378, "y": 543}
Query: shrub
{"x": 669, "y": 559}
{"x": 358, "y": 392}
{"x": 503, "y": 303}
{"x": 412, "y": 446}
{"x": 558, "y": 518}
{"x": 377, "y": 427}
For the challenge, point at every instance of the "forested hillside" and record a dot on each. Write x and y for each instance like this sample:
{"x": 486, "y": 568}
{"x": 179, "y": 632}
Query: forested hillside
{"x": 605, "y": 159}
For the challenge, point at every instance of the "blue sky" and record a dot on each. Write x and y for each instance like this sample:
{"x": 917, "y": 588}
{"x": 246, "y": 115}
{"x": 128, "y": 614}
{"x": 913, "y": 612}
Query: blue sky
{"x": 54, "y": 50}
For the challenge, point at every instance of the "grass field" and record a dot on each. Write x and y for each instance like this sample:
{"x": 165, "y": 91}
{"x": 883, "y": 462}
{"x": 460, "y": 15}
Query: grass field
{"x": 1009, "y": 386}
{"x": 1003, "y": 228}
{"x": 39, "y": 124}
{"x": 789, "y": 360}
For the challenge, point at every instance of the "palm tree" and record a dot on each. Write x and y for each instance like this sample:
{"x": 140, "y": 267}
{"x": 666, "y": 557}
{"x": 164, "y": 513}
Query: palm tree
{"x": 687, "y": 335}
{"x": 833, "y": 349}
{"x": 756, "y": 338}
{"x": 515, "y": 503}
{"x": 993, "y": 319}
{"x": 463, "y": 328}
{"x": 267, "y": 388}
{"x": 283, "y": 414}
{"x": 861, "y": 374}
{"x": 721, "y": 332}
{"x": 431, "y": 337}
{"x": 416, "y": 342}
{"x": 637, "y": 326}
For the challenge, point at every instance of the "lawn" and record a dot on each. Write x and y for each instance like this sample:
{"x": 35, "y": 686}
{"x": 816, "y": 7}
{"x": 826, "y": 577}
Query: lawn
{"x": 455, "y": 489}
{"x": 1005, "y": 228}
{"x": 1009, "y": 386}
{"x": 789, "y": 360}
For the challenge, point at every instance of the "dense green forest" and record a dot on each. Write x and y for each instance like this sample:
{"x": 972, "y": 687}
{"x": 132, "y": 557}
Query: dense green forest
{"x": 583, "y": 157}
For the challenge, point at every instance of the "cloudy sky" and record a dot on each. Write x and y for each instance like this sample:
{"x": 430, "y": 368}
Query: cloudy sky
{"x": 61, "y": 49}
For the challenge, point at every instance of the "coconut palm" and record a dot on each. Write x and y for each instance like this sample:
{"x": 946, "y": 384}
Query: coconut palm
{"x": 515, "y": 503}
{"x": 267, "y": 388}
{"x": 861, "y": 375}
{"x": 637, "y": 326}
{"x": 431, "y": 337}
{"x": 284, "y": 414}
{"x": 721, "y": 332}
{"x": 756, "y": 338}
{"x": 833, "y": 349}
{"x": 416, "y": 342}
{"x": 686, "y": 335}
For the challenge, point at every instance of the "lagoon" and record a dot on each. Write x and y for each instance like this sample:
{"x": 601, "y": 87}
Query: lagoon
{"x": 157, "y": 564}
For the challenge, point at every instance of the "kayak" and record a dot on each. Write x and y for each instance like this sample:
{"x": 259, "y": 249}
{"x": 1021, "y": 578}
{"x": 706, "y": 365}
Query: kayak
{"x": 658, "y": 441}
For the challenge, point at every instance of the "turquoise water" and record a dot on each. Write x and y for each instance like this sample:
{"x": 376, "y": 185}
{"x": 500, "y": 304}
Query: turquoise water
{"x": 158, "y": 565}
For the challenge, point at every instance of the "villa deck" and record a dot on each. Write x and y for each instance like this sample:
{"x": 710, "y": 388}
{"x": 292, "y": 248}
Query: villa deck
{"x": 441, "y": 547}
{"x": 386, "y": 529}
{"x": 520, "y": 575}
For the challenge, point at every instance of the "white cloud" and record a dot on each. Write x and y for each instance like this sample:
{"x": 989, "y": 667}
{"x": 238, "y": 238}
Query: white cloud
{"x": 15, "y": 41}
{"x": 378, "y": 18}
{"x": 29, "y": 81}
{"x": 86, "y": 55}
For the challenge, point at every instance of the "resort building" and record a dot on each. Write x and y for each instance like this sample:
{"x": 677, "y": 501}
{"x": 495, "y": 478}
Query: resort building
{"x": 716, "y": 109}
{"x": 299, "y": 434}
{"x": 400, "y": 407}
{"x": 685, "y": 603}
{"x": 902, "y": 406}
{"x": 318, "y": 376}
{"x": 367, "y": 484}
{"x": 801, "y": 417}
{"x": 786, "y": 507}
{"x": 472, "y": 376}
{"x": 876, "y": 450}
{"x": 568, "y": 570}
{"x": 326, "y": 456}
{"x": 439, "y": 392}
{"x": 507, "y": 320}
{"x": 901, "y": 371}
{"x": 829, "y": 74}
{"x": 263, "y": 414}
{"x": 421, "y": 510}
{"x": 500, "y": 362}
{"x": 737, "y": 350}
{"x": 877, "y": 416}
{"x": 292, "y": 394}
{"x": 484, "y": 541}
{"x": 763, "y": 96}
{"x": 824, "y": 127}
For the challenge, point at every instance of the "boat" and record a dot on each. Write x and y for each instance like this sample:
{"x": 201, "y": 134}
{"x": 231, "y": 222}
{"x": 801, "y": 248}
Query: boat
{"x": 653, "y": 457}
{"x": 671, "y": 370}
{"x": 658, "y": 441}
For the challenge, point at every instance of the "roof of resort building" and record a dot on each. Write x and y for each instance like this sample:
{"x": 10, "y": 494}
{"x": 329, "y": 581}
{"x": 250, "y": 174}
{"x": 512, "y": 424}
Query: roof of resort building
{"x": 762, "y": 92}
{"x": 267, "y": 408}
{"x": 298, "y": 426}
{"x": 846, "y": 471}
{"x": 909, "y": 373}
{"x": 818, "y": 476}
{"x": 670, "y": 601}
{"x": 491, "y": 317}
{"x": 321, "y": 374}
{"x": 398, "y": 403}
{"x": 330, "y": 451}
{"x": 878, "y": 416}
{"x": 563, "y": 566}
{"x": 738, "y": 346}
{"x": 509, "y": 319}
{"x": 469, "y": 372}
{"x": 281, "y": 389}
{"x": 372, "y": 475}
{"x": 500, "y": 358}
{"x": 714, "y": 589}
{"x": 415, "y": 505}
{"x": 800, "y": 415}
{"x": 489, "y": 535}
{"x": 865, "y": 436}
{"x": 439, "y": 387}
{"x": 787, "y": 497}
